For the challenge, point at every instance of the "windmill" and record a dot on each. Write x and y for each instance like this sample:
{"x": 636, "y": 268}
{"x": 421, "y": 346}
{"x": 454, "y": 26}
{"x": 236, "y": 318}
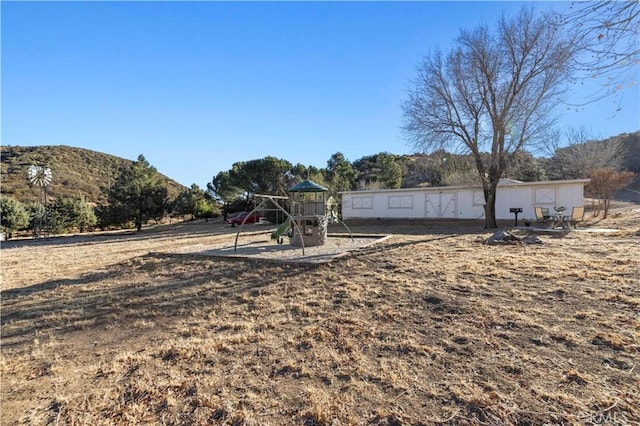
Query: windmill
{"x": 40, "y": 176}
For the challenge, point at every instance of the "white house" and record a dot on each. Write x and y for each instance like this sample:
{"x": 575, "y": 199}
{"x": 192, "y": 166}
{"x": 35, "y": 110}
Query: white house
{"x": 462, "y": 202}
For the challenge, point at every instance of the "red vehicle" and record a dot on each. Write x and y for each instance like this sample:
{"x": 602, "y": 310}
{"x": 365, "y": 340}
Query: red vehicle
{"x": 239, "y": 218}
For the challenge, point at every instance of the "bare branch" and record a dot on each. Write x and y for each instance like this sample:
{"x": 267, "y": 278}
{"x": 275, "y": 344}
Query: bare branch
{"x": 494, "y": 92}
{"x": 608, "y": 34}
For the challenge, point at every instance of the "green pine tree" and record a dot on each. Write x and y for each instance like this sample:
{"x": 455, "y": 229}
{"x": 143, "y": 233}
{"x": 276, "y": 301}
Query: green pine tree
{"x": 138, "y": 195}
{"x": 13, "y": 214}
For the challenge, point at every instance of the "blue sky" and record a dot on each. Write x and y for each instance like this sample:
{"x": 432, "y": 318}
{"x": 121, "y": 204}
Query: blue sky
{"x": 198, "y": 86}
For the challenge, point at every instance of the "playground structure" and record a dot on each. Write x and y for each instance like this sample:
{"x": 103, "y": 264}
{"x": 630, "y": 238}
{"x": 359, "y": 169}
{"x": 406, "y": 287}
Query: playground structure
{"x": 307, "y": 216}
{"x": 308, "y": 207}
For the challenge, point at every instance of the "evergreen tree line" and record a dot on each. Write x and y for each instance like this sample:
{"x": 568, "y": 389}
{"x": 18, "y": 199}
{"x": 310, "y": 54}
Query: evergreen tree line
{"x": 273, "y": 176}
{"x": 60, "y": 216}
{"x": 138, "y": 195}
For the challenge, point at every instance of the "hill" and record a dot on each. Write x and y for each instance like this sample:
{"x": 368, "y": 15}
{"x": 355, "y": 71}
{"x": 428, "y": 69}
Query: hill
{"x": 76, "y": 172}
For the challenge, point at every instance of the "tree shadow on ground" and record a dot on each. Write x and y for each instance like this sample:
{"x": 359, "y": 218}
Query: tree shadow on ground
{"x": 148, "y": 288}
{"x": 182, "y": 230}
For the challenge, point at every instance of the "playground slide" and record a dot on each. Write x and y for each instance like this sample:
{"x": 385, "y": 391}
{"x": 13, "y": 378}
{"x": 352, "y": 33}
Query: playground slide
{"x": 282, "y": 229}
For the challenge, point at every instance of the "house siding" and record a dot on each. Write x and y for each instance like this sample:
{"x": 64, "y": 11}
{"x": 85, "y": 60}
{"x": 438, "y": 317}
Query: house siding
{"x": 461, "y": 202}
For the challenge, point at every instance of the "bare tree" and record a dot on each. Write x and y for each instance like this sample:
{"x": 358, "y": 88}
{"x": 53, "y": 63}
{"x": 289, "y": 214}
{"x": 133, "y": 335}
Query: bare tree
{"x": 584, "y": 153}
{"x": 491, "y": 95}
{"x": 604, "y": 183}
{"x": 608, "y": 33}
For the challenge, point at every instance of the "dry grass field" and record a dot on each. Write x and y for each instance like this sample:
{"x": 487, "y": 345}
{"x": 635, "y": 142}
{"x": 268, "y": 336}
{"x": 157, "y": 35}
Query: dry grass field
{"x": 427, "y": 327}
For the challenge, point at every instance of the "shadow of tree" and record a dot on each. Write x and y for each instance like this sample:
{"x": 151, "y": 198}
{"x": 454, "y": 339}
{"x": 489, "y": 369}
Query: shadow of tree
{"x": 182, "y": 230}
{"x": 156, "y": 286}
{"x": 148, "y": 288}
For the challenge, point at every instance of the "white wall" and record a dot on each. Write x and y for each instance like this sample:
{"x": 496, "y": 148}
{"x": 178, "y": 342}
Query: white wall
{"x": 550, "y": 195}
{"x": 387, "y": 204}
{"x": 461, "y": 202}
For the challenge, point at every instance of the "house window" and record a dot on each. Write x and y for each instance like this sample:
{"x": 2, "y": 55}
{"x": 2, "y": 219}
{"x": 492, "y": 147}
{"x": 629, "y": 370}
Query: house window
{"x": 362, "y": 202}
{"x": 400, "y": 202}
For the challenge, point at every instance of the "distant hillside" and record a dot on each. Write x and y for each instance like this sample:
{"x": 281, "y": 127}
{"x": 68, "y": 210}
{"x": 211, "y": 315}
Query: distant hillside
{"x": 76, "y": 172}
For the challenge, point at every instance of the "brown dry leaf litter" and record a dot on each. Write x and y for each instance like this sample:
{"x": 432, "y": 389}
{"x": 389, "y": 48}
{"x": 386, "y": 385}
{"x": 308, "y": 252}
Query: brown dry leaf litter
{"x": 427, "y": 327}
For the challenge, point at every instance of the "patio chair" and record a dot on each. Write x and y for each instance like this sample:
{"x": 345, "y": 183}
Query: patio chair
{"x": 542, "y": 214}
{"x": 577, "y": 215}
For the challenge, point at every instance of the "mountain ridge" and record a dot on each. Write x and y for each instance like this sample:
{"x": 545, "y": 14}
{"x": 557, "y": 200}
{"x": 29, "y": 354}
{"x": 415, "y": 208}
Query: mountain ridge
{"x": 76, "y": 172}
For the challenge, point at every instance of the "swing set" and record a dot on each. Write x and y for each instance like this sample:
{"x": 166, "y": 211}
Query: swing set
{"x": 275, "y": 202}
{"x": 291, "y": 226}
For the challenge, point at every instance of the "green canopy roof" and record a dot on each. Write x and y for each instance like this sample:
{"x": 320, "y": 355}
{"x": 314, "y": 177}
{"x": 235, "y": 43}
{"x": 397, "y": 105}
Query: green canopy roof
{"x": 307, "y": 186}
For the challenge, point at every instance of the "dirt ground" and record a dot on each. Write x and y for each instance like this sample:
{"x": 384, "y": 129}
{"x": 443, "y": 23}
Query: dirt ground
{"x": 429, "y": 326}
